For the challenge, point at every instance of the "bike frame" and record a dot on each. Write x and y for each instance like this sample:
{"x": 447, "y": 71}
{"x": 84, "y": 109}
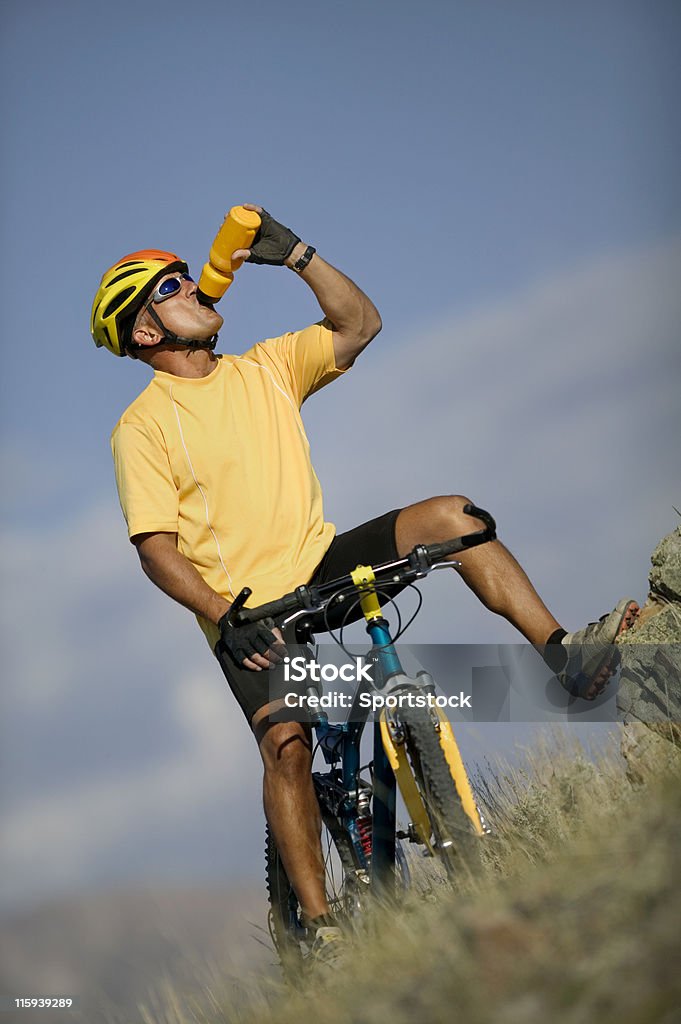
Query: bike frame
{"x": 341, "y": 742}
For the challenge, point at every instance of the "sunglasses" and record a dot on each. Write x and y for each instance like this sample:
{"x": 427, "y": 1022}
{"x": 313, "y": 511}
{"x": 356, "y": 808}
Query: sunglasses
{"x": 171, "y": 286}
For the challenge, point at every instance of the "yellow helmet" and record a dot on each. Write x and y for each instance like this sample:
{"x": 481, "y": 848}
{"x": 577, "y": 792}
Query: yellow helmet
{"x": 122, "y": 293}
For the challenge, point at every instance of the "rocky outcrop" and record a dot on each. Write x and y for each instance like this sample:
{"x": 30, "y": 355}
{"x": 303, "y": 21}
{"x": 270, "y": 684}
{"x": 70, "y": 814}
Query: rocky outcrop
{"x": 650, "y": 682}
{"x": 649, "y": 695}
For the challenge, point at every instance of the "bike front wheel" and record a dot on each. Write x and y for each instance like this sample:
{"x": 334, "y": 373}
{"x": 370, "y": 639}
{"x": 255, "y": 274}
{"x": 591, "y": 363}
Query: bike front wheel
{"x": 454, "y": 837}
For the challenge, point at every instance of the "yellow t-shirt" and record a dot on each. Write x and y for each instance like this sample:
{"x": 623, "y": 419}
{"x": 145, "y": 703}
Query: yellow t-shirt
{"x": 224, "y": 462}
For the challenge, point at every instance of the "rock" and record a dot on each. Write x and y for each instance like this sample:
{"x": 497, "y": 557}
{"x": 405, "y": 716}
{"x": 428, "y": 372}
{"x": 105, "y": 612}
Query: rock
{"x": 665, "y": 576}
{"x": 650, "y": 681}
{"x": 650, "y": 749}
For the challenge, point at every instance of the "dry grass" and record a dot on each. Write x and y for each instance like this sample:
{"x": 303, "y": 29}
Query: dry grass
{"x": 574, "y": 919}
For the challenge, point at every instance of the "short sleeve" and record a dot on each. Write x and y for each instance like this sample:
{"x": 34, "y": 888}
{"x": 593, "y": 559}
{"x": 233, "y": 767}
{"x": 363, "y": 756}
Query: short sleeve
{"x": 308, "y": 359}
{"x": 146, "y": 489}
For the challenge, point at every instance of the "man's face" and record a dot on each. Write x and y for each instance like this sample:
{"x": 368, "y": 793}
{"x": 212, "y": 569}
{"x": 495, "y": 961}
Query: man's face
{"x": 183, "y": 314}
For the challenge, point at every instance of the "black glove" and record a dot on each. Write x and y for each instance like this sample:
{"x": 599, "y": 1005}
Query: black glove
{"x": 244, "y": 641}
{"x": 273, "y": 242}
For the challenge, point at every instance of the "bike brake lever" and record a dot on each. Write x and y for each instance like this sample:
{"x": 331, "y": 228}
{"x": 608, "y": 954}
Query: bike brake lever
{"x": 301, "y": 613}
{"x": 418, "y": 560}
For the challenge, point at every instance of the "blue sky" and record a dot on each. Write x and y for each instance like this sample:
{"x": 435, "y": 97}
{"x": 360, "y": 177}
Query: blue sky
{"x": 501, "y": 178}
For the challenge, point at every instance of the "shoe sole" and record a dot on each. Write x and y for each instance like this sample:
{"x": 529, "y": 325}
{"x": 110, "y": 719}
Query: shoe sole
{"x": 628, "y": 615}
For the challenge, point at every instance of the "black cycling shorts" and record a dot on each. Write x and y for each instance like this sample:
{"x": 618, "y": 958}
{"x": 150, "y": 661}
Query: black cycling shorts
{"x": 369, "y": 544}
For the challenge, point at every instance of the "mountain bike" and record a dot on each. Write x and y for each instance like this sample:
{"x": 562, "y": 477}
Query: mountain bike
{"x": 413, "y": 749}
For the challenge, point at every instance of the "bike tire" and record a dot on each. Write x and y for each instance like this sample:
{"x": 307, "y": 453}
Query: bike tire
{"x": 342, "y": 871}
{"x": 455, "y": 839}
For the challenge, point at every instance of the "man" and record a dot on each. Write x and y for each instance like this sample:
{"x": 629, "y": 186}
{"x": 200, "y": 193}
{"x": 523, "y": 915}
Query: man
{"x": 215, "y": 482}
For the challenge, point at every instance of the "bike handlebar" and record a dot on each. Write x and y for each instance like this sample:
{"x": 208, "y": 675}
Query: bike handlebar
{"x": 470, "y": 540}
{"x": 417, "y": 563}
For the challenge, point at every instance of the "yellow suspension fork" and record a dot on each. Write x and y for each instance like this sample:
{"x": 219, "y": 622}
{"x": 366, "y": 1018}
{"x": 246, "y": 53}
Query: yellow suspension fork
{"x": 393, "y": 739}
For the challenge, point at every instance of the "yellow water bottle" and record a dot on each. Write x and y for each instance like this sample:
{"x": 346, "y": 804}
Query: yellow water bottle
{"x": 238, "y": 230}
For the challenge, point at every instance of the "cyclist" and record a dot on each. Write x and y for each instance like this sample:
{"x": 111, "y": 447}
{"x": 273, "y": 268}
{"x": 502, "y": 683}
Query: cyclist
{"x": 216, "y": 485}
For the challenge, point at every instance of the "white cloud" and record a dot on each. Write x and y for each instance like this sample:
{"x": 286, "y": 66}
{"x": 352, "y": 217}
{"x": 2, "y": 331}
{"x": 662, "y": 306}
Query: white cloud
{"x": 54, "y": 841}
{"x": 87, "y": 641}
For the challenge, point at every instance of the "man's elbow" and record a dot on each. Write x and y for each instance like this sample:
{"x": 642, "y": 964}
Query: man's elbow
{"x": 371, "y": 326}
{"x": 153, "y": 548}
{"x": 374, "y": 325}
{"x": 348, "y": 344}
{"x": 147, "y": 562}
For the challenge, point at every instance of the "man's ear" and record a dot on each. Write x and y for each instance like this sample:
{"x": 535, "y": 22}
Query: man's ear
{"x": 145, "y": 332}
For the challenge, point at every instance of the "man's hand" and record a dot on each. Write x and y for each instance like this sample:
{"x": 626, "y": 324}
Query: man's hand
{"x": 273, "y": 243}
{"x": 255, "y": 646}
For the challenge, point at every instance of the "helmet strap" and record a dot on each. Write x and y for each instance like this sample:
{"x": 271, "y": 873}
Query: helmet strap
{"x": 177, "y": 339}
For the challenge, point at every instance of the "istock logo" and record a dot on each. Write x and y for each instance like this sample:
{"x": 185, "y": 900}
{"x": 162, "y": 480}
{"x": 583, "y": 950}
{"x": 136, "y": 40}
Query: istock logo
{"x": 298, "y": 669}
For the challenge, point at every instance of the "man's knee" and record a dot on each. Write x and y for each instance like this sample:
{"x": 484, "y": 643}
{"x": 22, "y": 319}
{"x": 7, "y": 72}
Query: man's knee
{"x": 447, "y": 510}
{"x": 432, "y": 520}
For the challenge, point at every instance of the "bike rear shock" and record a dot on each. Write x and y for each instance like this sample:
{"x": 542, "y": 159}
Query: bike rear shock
{"x": 364, "y": 824}
{"x": 364, "y": 827}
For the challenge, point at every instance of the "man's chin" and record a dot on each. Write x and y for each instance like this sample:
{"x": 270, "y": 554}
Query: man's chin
{"x": 213, "y": 318}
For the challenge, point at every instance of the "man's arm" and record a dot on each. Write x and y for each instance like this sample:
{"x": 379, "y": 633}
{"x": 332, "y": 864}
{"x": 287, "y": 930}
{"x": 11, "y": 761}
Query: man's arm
{"x": 354, "y": 318}
{"x": 175, "y": 575}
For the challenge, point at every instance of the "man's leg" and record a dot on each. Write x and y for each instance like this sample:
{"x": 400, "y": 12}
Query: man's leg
{"x": 289, "y": 799}
{"x": 490, "y": 570}
{"x": 584, "y": 660}
{"x": 291, "y": 806}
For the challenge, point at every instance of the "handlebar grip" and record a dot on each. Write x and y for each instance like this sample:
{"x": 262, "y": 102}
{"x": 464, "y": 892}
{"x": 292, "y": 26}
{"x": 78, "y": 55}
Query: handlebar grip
{"x": 436, "y": 552}
{"x": 270, "y": 610}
